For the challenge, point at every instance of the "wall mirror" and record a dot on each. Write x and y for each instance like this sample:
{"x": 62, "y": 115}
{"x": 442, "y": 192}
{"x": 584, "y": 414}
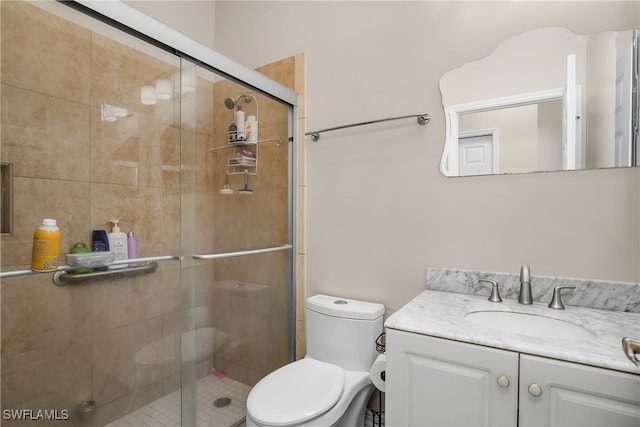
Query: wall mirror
{"x": 544, "y": 100}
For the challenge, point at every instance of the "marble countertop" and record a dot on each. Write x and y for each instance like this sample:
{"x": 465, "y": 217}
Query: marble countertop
{"x": 442, "y": 314}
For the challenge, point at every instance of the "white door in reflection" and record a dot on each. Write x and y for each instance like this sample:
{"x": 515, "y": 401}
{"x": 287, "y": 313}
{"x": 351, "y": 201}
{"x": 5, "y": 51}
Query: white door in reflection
{"x": 623, "y": 108}
{"x": 571, "y": 144}
{"x": 476, "y": 154}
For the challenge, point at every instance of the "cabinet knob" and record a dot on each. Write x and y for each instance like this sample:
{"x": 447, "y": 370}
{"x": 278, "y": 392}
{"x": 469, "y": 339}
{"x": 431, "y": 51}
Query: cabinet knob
{"x": 503, "y": 381}
{"x": 535, "y": 390}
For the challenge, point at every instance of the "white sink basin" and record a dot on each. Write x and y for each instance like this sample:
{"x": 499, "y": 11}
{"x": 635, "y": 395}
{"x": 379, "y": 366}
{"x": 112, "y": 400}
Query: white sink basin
{"x": 529, "y": 324}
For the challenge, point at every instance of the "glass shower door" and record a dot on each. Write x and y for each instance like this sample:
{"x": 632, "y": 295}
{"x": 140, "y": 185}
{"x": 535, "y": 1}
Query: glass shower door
{"x": 236, "y": 278}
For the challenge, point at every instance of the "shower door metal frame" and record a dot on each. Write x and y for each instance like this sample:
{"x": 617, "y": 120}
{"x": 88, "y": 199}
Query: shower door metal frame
{"x": 129, "y": 19}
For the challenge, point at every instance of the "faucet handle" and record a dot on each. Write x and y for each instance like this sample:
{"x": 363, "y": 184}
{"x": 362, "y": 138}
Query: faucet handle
{"x": 556, "y": 301}
{"x": 495, "y": 292}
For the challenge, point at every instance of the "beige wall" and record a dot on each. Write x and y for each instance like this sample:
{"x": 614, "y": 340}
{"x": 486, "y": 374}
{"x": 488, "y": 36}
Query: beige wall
{"x": 193, "y": 18}
{"x": 378, "y": 210}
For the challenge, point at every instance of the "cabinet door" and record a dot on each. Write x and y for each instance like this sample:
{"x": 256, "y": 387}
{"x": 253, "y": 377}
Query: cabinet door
{"x": 555, "y": 393}
{"x": 438, "y": 382}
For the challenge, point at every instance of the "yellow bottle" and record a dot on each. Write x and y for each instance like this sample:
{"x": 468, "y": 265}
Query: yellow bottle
{"x": 46, "y": 246}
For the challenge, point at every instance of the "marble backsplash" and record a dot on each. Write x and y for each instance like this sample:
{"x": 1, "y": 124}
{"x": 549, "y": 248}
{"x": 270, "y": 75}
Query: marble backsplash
{"x": 618, "y": 296}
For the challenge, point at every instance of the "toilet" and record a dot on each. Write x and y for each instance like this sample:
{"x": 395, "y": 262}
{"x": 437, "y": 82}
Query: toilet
{"x": 330, "y": 386}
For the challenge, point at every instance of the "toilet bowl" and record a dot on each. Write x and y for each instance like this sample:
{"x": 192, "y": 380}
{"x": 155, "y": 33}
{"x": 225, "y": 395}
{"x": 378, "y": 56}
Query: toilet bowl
{"x": 330, "y": 386}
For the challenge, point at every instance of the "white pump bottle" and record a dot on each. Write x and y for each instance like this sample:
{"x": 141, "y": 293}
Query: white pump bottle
{"x": 117, "y": 244}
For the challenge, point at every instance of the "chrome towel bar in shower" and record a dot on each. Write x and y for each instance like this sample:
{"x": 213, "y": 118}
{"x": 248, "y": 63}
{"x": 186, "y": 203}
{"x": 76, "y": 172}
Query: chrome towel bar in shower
{"x": 423, "y": 119}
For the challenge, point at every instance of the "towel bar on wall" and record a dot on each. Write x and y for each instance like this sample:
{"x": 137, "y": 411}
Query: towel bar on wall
{"x": 422, "y": 118}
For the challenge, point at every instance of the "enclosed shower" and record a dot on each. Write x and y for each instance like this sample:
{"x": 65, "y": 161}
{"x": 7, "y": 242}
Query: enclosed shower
{"x": 107, "y": 114}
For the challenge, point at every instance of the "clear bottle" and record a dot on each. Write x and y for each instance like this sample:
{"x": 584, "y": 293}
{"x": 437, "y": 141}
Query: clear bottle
{"x": 117, "y": 244}
{"x": 251, "y": 130}
{"x": 240, "y": 132}
{"x": 46, "y": 246}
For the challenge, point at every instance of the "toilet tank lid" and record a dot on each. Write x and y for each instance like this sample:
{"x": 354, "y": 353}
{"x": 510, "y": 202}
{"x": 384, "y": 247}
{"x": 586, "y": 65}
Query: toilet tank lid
{"x": 343, "y": 307}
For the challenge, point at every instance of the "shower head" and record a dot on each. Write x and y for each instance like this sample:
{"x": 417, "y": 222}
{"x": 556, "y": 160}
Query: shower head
{"x": 230, "y": 103}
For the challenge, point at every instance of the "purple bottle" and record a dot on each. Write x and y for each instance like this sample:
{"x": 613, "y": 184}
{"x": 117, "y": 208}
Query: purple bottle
{"x": 132, "y": 247}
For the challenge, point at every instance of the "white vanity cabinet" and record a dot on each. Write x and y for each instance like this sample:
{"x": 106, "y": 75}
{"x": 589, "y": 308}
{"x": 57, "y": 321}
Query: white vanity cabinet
{"x": 439, "y": 382}
{"x": 557, "y": 393}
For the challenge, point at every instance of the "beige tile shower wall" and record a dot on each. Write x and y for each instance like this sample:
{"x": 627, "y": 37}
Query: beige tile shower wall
{"x": 64, "y": 345}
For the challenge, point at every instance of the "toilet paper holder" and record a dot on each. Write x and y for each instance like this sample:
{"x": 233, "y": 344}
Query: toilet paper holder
{"x": 381, "y": 343}
{"x": 381, "y": 346}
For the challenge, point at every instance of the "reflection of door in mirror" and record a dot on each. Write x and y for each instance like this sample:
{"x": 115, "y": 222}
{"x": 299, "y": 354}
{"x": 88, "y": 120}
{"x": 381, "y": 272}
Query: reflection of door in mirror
{"x": 530, "y": 136}
{"x": 477, "y": 153}
{"x": 571, "y": 141}
{"x": 530, "y": 69}
{"x": 623, "y": 107}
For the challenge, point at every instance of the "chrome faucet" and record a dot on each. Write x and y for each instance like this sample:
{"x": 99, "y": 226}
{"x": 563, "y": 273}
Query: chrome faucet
{"x": 556, "y": 301}
{"x": 495, "y": 291}
{"x": 525, "y": 285}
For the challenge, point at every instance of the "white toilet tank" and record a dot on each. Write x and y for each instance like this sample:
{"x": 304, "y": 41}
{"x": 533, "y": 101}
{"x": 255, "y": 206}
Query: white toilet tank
{"x": 343, "y": 331}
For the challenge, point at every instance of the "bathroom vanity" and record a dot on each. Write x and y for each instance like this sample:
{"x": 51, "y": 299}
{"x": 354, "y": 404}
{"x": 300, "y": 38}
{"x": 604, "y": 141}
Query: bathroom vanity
{"x": 458, "y": 359}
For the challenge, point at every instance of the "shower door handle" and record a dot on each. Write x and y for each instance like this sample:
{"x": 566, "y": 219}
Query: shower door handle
{"x": 242, "y": 253}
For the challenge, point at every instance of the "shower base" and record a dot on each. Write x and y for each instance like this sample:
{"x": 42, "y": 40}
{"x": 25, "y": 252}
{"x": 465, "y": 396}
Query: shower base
{"x": 166, "y": 410}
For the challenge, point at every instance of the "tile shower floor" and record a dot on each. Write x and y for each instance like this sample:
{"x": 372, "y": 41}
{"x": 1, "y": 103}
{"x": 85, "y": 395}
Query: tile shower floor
{"x": 165, "y": 412}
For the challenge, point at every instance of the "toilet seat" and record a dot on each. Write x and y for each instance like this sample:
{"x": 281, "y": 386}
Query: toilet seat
{"x": 296, "y": 393}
